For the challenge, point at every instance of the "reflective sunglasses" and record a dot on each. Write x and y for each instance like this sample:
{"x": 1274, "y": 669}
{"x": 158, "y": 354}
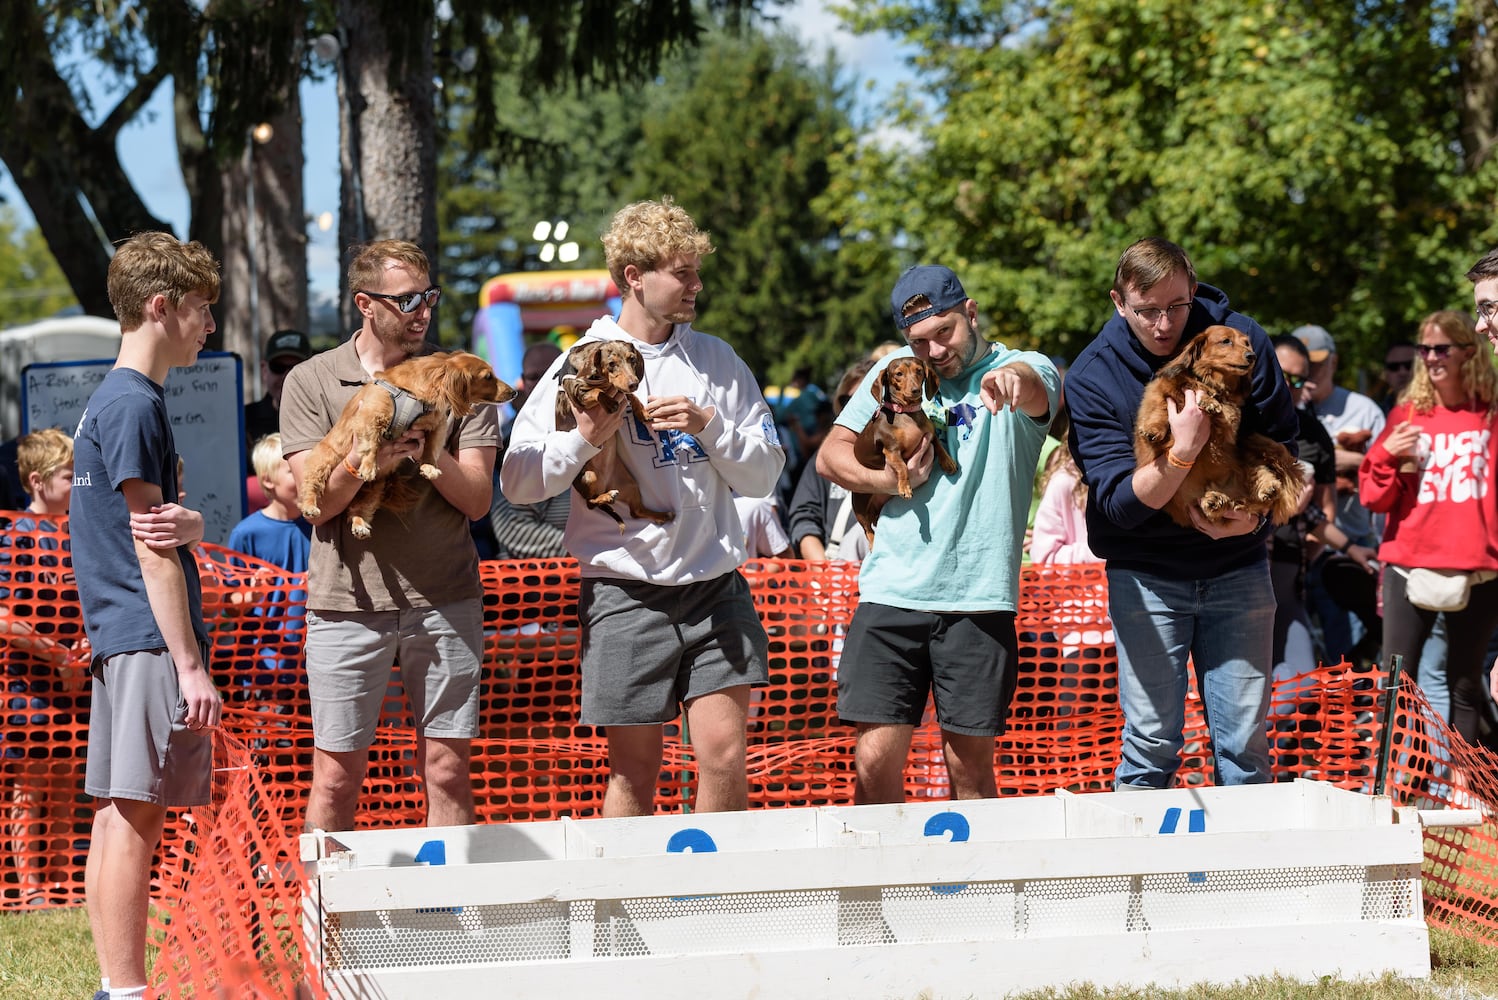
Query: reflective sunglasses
{"x": 409, "y": 302}
{"x": 1296, "y": 381}
{"x": 1428, "y": 351}
{"x": 280, "y": 366}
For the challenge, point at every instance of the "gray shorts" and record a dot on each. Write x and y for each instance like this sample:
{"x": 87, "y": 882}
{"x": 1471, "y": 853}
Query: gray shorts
{"x": 648, "y": 649}
{"x": 894, "y": 658}
{"x": 349, "y": 656}
{"x": 139, "y": 746}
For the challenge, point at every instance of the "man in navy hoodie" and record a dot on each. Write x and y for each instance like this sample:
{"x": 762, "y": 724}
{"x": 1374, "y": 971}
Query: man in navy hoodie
{"x": 1175, "y": 592}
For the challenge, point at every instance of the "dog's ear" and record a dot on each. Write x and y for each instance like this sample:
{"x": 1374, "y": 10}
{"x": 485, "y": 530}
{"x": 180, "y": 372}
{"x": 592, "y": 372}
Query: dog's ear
{"x": 933, "y": 380}
{"x": 637, "y": 362}
{"x": 877, "y": 388}
{"x": 1188, "y": 359}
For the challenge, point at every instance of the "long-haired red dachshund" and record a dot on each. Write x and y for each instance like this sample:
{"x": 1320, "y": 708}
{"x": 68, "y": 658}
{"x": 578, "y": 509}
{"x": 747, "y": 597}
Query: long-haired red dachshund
{"x": 1235, "y": 471}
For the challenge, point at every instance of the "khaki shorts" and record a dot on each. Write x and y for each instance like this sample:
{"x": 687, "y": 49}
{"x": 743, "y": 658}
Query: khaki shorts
{"x": 139, "y": 746}
{"x": 350, "y": 655}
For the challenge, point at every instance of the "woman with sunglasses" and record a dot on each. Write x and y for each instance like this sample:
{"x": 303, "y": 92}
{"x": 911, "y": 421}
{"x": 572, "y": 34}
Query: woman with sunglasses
{"x": 1432, "y": 472}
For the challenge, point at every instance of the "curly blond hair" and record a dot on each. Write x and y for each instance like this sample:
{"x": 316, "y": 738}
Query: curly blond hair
{"x": 154, "y": 263}
{"x": 1478, "y": 376}
{"x": 648, "y": 232}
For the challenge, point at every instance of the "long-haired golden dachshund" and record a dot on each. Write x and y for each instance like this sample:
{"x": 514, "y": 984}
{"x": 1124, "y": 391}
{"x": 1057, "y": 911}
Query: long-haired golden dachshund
{"x": 896, "y": 431}
{"x": 1234, "y": 471}
{"x": 425, "y": 394}
{"x": 605, "y": 373}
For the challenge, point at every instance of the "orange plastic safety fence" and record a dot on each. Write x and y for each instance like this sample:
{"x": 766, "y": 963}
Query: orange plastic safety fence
{"x": 227, "y": 889}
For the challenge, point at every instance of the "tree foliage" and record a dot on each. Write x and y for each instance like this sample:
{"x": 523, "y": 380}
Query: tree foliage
{"x": 740, "y": 133}
{"x": 32, "y": 286}
{"x": 743, "y": 140}
{"x": 1321, "y": 161}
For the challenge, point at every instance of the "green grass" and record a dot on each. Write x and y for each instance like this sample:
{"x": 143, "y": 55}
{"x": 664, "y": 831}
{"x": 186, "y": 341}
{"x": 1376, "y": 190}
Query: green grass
{"x": 48, "y": 956}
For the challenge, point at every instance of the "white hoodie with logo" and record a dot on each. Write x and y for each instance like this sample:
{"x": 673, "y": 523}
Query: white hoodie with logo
{"x": 694, "y": 476}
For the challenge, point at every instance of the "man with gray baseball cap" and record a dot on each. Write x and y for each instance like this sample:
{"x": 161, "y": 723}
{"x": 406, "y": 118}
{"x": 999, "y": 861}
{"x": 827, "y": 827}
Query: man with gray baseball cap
{"x": 939, "y": 589}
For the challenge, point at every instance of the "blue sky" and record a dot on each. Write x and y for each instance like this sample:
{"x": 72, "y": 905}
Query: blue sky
{"x": 147, "y": 146}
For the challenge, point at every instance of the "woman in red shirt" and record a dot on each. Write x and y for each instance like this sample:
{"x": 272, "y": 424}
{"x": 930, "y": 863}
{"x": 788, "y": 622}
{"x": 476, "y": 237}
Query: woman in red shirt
{"x": 1432, "y": 472}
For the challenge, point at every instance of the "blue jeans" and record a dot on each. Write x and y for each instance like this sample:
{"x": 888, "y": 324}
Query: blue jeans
{"x": 1226, "y": 626}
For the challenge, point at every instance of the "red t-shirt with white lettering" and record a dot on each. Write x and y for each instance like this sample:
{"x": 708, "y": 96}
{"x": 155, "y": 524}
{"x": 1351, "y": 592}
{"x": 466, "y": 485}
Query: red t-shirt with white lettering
{"x": 1442, "y": 507}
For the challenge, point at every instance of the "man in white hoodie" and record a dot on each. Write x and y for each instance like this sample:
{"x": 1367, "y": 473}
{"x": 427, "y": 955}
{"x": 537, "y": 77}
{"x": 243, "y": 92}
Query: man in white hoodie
{"x": 667, "y": 620}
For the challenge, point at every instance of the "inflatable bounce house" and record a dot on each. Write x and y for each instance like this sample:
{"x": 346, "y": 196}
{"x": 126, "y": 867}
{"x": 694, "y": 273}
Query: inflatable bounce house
{"x": 516, "y": 310}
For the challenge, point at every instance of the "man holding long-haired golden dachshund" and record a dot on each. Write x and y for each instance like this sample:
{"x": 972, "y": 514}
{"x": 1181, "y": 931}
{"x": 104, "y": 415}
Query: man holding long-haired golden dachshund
{"x": 409, "y": 593}
{"x": 1174, "y": 592}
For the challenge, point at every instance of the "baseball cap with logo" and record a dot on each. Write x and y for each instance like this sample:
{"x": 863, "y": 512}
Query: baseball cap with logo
{"x": 938, "y": 284}
{"x": 288, "y": 343}
{"x": 1318, "y": 342}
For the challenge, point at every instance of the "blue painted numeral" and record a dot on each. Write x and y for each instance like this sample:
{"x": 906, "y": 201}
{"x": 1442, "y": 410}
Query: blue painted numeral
{"x": 434, "y": 852}
{"x": 957, "y": 825}
{"x": 1195, "y": 823}
{"x": 690, "y": 841}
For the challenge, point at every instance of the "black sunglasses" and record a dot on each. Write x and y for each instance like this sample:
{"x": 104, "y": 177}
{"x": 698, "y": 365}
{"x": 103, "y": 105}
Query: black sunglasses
{"x": 280, "y": 366}
{"x": 408, "y": 302}
{"x": 1428, "y": 351}
{"x": 1398, "y": 366}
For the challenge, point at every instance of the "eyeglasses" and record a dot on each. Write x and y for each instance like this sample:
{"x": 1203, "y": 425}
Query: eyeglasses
{"x": 1296, "y": 381}
{"x": 280, "y": 366}
{"x": 1398, "y": 366}
{"x": 1488, "y": 310}
{"x": 1428, "y": 351}
{"x": 409, "y": 302}
{"x": 1152, "y": 315}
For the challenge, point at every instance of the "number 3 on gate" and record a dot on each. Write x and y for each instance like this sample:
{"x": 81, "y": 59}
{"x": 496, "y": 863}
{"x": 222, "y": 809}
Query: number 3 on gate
{"x": 953, "y": 823}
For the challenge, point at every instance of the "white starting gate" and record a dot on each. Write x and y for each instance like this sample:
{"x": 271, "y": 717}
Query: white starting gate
{"x": 953, "y": 899}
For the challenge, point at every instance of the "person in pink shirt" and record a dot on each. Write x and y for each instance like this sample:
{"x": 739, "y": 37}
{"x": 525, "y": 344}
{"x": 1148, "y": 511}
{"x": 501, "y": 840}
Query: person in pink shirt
{"x": 1060, "y": 534}
{"x": 1431, "y": 472}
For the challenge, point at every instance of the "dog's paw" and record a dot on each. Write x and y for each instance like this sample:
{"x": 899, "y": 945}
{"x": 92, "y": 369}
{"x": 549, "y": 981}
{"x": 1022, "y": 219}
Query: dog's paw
{"x": 359, "y": 527}
{"x": 310, "y": 512}
{"x": 429, "y": 471}
{"x": 1209, "y": 405}
{"x": 1213, "y": 501}
{"x": 949, "y": 465}
{"x": 369, "y": 470}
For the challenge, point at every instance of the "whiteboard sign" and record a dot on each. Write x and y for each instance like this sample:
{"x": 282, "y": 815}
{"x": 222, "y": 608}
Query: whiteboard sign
{"x": 203, "y": 404}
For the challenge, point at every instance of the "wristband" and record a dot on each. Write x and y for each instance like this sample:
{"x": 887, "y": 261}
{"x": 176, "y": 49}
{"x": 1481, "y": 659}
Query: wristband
{"x": 1344, "y": 546}
{"x": 1176, "y": 463}
{"x": 350, "y": 469}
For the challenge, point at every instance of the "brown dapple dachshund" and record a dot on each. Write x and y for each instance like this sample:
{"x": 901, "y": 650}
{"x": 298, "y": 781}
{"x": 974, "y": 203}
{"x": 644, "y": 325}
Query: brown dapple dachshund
{"x": 423, "y": 394}
{"x": 896, "y": 431}
{"x": 1235, "y": 471}
{"x": 605, "y": 373}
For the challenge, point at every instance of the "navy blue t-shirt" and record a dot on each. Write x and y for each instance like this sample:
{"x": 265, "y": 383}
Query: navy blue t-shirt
{"x": 124, "y": 434}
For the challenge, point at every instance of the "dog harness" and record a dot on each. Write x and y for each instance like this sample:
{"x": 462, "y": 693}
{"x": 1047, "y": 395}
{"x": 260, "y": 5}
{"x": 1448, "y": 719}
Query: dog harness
{"x": 407, "y": 409}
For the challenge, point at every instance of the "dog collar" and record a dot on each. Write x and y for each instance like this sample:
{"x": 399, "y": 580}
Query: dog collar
{"x": 407, "y": 409}
{"x": 891, "y": 409}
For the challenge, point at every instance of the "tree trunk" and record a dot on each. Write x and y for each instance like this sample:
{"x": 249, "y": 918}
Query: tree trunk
{"x": 388, "y": 129}
{"x": 277, "y": 245}
{"x": 1477, "y": 41}
{"x": 58, "y": 162}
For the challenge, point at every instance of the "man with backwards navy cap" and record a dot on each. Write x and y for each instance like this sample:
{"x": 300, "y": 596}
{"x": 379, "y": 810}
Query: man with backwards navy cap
{"x": 939, "y": 590}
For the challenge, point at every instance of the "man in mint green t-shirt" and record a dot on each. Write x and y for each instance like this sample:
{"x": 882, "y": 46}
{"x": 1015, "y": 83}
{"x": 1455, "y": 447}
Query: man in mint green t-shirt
{"x": 938, "y": 591}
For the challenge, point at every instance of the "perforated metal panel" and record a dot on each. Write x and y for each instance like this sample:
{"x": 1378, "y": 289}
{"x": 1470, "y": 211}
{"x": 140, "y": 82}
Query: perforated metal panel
{"x": 907, "y": 914}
